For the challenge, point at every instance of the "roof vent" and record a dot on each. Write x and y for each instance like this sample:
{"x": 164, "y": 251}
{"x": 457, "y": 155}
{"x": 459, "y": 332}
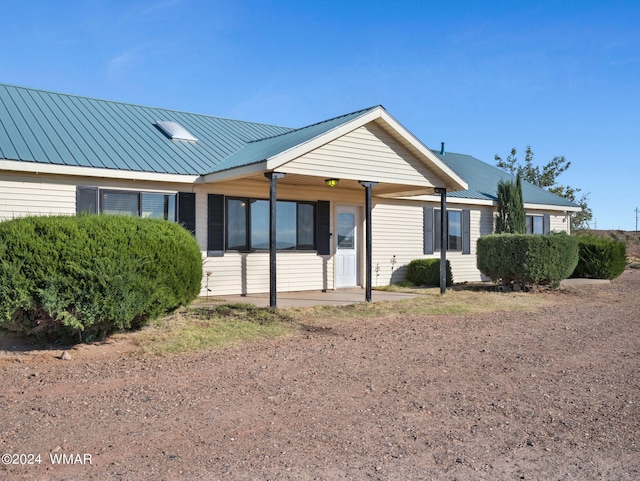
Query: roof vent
{"x": 175, "y": 131}
{"x": 442, "y": 151}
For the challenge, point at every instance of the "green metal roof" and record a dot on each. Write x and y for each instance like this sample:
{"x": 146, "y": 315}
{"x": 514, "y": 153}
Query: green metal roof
{"x": 60, "y": 129}
{"x": 52, "y": 128}
{"x": 483, "y": 181}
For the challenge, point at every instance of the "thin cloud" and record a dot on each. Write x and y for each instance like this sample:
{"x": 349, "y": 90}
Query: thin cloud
{"x": 122, "y": 63}
{"x": 146, "y": 10}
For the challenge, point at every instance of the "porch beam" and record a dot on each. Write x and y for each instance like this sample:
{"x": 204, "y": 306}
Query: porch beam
{"x": 368, "y": 186}
{"x": 444, "y": 237}
{"x": 273, "y": 180}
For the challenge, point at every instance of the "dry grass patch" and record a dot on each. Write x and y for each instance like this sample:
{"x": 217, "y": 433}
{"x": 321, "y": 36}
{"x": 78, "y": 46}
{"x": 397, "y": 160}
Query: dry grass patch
{"x": 199, "y": 328}
{"x": 430, "y": 302}
{"x": 204, "y": 327}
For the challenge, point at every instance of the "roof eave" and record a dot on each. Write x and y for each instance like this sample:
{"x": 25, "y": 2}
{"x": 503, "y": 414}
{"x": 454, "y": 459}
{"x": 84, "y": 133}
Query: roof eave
{"x": 77, "y": 171}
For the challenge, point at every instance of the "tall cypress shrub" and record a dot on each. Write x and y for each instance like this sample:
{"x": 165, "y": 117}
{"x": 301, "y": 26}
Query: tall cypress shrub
{"x": 511, "y": 216}
{"x": 518, "y": 215}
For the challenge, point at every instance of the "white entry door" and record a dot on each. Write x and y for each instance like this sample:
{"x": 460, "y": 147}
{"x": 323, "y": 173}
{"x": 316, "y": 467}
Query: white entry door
{"x": 347, "y": 246}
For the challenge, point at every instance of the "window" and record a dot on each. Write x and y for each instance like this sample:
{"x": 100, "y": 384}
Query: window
{"x": 180, "y": 207}
{"x": 158, "y": 206}
{"x": 248, "y": 225}
{"x": 139, "y": 204}
{"x": 454, "y": 228}
{"x": 458, "y": 230}
{"x": 535, "y": 224}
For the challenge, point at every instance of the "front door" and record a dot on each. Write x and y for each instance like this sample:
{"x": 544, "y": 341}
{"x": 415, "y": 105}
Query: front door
{"x": 347, "y": 247}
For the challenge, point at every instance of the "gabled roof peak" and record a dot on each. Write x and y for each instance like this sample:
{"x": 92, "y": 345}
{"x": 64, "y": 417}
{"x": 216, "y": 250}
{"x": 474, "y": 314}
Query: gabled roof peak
{"x": 322, "y": 122}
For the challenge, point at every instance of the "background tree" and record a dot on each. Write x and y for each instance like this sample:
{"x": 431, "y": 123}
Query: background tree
{"x": 511, "y": 216}
{"x": 546, "y": 177}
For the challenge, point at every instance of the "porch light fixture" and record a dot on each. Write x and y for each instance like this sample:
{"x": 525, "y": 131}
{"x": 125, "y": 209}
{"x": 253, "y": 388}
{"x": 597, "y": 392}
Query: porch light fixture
{"x": 332, "y": 182}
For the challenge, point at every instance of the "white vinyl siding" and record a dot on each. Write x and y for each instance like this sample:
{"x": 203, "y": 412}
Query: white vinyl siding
{"x": 397, "y": 238}
{"x": 248, "y": 273}
{"x": 559, "y": 223}
{"x": 21, "y": 196}
{"x": 367, "y": 153}
{"x": 398, "y": 231}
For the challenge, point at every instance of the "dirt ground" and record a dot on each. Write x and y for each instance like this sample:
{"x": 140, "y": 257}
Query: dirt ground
{"x": 553, "y": 395}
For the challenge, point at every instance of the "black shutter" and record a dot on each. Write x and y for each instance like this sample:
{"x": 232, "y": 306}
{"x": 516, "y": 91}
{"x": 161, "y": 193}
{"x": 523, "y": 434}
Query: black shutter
{"x": 187, "y": 210}
{"x": 86, "y": 200}
{"x": 323, "y": 228}
{"x": 466, "y": 231}
{"x": 215, "y": 225}
{"x": 428, "y": 230}
{"x": 546, "y": 224}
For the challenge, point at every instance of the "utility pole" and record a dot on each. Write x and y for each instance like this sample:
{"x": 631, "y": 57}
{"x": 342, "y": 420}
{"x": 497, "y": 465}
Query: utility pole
{"x": 636, "y": 211}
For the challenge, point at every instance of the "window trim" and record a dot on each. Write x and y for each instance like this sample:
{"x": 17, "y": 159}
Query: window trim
{"x": 431, "y": 230}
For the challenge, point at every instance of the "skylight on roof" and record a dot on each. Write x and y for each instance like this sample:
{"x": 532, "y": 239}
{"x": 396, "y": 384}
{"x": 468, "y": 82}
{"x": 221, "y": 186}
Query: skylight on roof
{"x": 175, "y": 131}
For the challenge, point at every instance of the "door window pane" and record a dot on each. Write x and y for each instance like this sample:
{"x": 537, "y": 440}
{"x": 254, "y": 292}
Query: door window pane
{"x": 346, "y": 225}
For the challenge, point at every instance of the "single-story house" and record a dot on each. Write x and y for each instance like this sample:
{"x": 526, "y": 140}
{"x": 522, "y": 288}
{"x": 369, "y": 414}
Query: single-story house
{"x": 62, "y": 154}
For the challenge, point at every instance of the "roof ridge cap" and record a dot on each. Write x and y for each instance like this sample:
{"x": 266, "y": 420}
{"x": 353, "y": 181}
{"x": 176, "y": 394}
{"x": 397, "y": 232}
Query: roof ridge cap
{"x": 317, "y": 123}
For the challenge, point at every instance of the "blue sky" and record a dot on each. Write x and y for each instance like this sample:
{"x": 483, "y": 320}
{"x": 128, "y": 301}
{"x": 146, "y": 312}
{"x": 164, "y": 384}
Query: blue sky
{"x": 483, "y": 76}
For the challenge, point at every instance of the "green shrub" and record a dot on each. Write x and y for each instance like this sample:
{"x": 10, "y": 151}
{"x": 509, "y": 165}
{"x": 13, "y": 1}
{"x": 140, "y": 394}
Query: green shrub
{"x": 527, "y": 259}
{"x": 88, "y": 276}
{"x": 426, "y": 272}
{"x": 600, "y": 257}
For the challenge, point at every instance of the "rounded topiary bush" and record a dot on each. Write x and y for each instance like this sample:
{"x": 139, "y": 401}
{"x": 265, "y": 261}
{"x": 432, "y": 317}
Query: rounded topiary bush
{"x": 600, "y": 257}
{"x": 426, "y": 272}
{"x": 527, "y": 259}
{"x": 87, "y": 276}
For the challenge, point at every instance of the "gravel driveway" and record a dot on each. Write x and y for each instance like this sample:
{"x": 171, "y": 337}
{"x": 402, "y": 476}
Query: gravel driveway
{"x": 504, "y": 396}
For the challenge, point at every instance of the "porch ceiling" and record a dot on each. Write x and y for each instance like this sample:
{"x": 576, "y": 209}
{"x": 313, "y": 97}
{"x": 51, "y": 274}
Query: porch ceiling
{"x": 383, "y": 189}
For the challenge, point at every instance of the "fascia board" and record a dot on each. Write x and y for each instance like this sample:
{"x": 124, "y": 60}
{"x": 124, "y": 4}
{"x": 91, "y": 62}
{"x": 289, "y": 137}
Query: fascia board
{"x": 458, "y": 181}
{"x": 562, "y": 208}
{"x": 38, "y": 168}
{"x": 493, "y": 203}
{"x": 452, "y": 200}
{"x": 235, "y": 172}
